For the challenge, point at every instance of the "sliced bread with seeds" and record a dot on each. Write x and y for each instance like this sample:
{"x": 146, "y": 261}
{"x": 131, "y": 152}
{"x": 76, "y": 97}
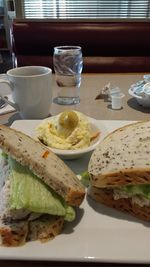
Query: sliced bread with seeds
{"x": 43, "y": 163}
{"x": 119, "y": 170}
{"x": 37, "y": 190}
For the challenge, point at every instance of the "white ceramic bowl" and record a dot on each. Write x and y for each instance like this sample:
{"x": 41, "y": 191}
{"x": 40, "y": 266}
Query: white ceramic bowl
{"x": 73, "y": 154}
{"x": 146, "y": 78}
{"x": 136, "y": 90}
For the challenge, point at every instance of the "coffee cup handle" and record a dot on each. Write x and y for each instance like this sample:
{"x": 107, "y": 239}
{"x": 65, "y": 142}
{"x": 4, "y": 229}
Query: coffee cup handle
{"x": 15, "y": 106}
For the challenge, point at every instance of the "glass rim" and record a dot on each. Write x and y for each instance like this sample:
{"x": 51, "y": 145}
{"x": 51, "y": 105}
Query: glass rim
{"x": 68, "y": 47}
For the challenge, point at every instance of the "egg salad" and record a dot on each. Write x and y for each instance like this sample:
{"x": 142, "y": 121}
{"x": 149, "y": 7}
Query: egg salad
{"x": 68, "y": 130}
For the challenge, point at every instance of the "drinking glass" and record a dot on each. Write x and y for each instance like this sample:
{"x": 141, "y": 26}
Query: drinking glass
{"x": 68, "y": 64}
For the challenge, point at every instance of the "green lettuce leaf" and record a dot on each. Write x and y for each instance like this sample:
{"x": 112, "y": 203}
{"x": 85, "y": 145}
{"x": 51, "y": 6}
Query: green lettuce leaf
{"x": 143, "y": 190}
{"x": 29, "y": 192}
{"x": 85, "y": 178}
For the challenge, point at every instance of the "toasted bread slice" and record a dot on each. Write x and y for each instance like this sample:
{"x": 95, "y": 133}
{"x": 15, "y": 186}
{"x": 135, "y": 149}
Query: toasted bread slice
{"x": 13, "y": 233}
{"x": 105, "y": 196}
{"x": 16, "y": 233}
{"x": 123, "y": 157}
{"x": 45, "y": 228}
{"x": 43, "y": 163}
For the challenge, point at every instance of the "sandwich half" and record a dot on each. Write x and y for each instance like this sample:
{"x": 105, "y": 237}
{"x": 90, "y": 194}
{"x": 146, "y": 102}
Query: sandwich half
{"x": 119, "y": 170}
{"x": 38, "y": 192}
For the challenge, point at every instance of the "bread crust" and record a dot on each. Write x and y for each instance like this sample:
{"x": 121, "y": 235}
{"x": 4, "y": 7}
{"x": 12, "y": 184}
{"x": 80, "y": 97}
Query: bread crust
{"x": 43, "y": 163}
{"x": 45, "y": 228}
{"x": 16, "y": 233}
{"x": 122, "y": 157}
{"x": 13, "y": 234}
{"x": 105, "y": 196}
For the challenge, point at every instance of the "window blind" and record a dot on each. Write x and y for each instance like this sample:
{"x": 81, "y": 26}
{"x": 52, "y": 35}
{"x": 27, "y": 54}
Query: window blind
{"x": 83, "y": 9}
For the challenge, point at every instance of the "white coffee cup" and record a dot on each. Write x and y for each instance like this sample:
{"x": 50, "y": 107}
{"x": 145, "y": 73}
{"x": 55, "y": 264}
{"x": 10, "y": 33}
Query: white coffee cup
{"x": 31, "y": 88}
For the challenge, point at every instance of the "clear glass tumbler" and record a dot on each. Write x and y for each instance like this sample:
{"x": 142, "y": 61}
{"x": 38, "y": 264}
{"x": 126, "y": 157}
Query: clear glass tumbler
{"x": 68, "y": 64}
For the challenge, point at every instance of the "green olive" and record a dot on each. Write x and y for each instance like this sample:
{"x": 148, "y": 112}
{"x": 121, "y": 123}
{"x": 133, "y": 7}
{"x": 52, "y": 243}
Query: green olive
{"x": 68, "y": 119}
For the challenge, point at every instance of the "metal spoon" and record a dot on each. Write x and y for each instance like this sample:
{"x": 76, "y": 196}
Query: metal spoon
{"x": 5, "y": 99}
{"x": 3, "y": 103}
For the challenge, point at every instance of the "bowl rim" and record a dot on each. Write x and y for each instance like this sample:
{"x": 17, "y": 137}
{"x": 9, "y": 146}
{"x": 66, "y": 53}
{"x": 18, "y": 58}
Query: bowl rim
{"x": 130, "y": 91}
{"x": 70, "y": 152}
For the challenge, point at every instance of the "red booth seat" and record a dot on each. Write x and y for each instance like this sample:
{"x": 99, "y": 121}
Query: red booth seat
{"x": 106, "y": 46}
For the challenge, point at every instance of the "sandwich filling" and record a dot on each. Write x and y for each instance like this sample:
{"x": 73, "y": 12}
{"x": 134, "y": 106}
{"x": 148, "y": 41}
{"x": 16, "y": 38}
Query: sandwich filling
{"x": 24, "y": 194}
{"x": 140, "y": 194}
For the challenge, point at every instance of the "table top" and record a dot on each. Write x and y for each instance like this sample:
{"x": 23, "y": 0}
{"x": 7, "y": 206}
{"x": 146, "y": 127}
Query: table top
{"x": 91, "y": 86}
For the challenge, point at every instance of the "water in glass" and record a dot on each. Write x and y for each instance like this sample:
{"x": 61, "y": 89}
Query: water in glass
{"x": 68, "y": 64}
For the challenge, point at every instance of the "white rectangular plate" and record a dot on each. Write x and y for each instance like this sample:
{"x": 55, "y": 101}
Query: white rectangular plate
{"x": 99, "y": 234}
